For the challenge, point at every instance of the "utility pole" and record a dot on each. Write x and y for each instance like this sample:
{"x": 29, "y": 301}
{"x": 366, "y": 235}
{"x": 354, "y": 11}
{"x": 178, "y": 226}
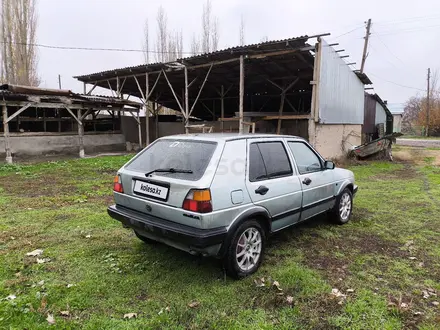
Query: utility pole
{"x": 427, "y": 103}
{"x": 367, "y": 35}
{"x": 59, "y": 81}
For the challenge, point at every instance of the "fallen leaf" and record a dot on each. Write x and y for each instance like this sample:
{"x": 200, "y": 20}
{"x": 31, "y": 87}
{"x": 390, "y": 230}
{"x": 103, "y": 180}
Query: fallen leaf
{"x": 404, "y": 305}
{"x": 42, "y": 261}
{"x": 194, "y": 304}
{"x": 12, "y": 237}
{"x": 70, "y": 285}
{"x": 161, "y": 311}
{"x": 130, "y": 315}
{"x": 338, "y": 293}
{"x": 435, "y": 303}
{"x": 350, "y": 290}
{"x": 412, "y": 258}
{"x": 277, "y": 285}
{"x": 420, "y": 264}
{"x": 11, "y": 297}
{"x": 41, "y": 283}
{"x": 289, "y": 300}
{"x": 259, "y": 282}
{"x": 65, "y": 313}
{"x": 418, "y": 313}
{"x": 50, "y": 319}
{"x": 35, "y": 253}
{"x": 88, "y": 236}
{"x": 425, "y": 294}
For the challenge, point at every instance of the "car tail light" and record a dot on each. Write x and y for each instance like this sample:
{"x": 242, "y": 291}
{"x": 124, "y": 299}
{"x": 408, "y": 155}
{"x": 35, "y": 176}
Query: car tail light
{"x": 198, "y": 201}
{"x": 117, "y": 184}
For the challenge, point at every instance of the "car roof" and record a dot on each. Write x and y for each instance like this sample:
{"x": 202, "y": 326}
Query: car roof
{"x": 227, "y": 136}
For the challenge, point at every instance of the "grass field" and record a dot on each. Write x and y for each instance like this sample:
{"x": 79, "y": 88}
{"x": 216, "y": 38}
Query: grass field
{"x": 385, "y": 264}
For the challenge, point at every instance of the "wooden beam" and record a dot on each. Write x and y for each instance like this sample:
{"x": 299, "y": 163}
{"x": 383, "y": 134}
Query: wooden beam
{"x": 18, "y": 112}
{"x": 345, "y": 56}
{"x": 80, "y": 133}
{"x": 174, "y": 93}
{"x": 140, "y": 89}
{"x": 110, "y": 87}
{"x": 280, "y": 113}
{"x": 147, "y": 111}
{"x": 291, "y": 105}
{"x": 222, "y": 105}
{"x": 73, "y": 115}
{"x": 241, "y": 101}
{"x": 6, "y": 135}
{"x": 286, "y": 117}
{"x": 186, "y": 101}
{"x": 154, "y": 86}
{"x": 200, "y": 90}
{"x": 92, "y": 89}
{"x": 193, "y": 81}
{"x": 206, "y": 107}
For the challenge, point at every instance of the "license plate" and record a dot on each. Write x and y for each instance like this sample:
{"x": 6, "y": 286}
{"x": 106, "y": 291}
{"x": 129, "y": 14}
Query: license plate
{"x": 150, "y": 189}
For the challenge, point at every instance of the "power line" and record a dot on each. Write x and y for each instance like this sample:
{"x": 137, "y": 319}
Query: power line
{"x": 397, "y": 84}
{"x": 389, "y": 50}
{"x": 409, "y": 30}
{"x": 355, "y": 29}
{"x": 408, "y": 20}
{"x": 91, "y": 48}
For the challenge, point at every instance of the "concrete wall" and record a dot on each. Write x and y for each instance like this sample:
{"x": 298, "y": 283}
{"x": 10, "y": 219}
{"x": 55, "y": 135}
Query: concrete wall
{"x": 37, "y": 144}
{"x": 333, "y": 141}
{"x": 397, "y": 123}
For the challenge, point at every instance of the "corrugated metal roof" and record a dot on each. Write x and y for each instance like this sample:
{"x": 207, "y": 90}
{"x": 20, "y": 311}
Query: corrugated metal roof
{"x": 258, "y": 47}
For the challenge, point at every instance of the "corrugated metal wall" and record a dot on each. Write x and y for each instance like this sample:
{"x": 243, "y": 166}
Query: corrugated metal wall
{"x": 340, "y": 92}
{"x": 381, "y": 116}
{"x": 369, "y": 126}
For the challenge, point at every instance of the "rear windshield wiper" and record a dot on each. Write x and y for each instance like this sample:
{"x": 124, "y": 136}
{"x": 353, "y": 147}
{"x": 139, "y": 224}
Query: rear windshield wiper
{"x": 168, "y": 170}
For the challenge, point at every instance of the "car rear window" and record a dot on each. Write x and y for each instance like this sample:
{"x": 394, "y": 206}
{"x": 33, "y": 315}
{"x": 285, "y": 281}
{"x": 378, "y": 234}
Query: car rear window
{"x": 177, "y": 154}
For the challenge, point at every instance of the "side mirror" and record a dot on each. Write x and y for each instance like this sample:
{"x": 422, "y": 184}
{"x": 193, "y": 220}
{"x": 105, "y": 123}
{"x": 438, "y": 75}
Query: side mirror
{"x": 328, "y": 165}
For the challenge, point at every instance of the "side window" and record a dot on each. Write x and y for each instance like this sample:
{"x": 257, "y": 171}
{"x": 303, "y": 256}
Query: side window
{"x": 268, "y": 160}
{"x": 305, "y": 158}
{"x": 257, "y": 170}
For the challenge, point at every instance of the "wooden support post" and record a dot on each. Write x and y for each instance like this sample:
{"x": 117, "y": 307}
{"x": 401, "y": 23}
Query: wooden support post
{"x": 186, "y": 101}
{"x": 156, "y": 119}
{"x": 280, "y": 113}
{"x": 241, "y": 103}
{"x": 200, "y": 90}
{"x": 6, "y": 135}
{"x": 222, "y": 106}
{"x": 80, "y": 135}
{"x": 85, "y": 87}
{"x": 139, "y": 129}
{"x": 44, "y": 120}
{"x": 59, "y": 120}
{"x": 147, "y": 111}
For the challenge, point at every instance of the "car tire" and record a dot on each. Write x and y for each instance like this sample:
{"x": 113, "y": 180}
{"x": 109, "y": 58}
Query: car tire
{"x": 247, "y": 244}
{"x": 144, "y": 239}
{"x": 343, "y": 208}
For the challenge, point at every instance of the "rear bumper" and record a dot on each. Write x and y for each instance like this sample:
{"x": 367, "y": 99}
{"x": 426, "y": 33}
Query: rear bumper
{"x": 192, "y": 238}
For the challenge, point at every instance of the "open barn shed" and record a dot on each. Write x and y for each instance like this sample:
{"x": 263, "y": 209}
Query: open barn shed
{"x": 38, "y": 121}
{"x": 289, "y": 86}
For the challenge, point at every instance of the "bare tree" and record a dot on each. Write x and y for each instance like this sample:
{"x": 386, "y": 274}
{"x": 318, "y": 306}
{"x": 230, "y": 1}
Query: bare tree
{"x": 146, "y": 45}
{"x": 264, "y": 39}
{"x": 206, "y": 27}
{"x": 215, "y": 35}
{"x": 241, "y": 31}
{"x": 195, "y": 45}
{"x": 210, "y": 30}
{"x": 18, "y": 25}
{"x": 161, "y": 35}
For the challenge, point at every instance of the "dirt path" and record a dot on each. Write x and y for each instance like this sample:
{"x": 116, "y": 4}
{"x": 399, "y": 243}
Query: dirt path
{"x": 418, "y": 143}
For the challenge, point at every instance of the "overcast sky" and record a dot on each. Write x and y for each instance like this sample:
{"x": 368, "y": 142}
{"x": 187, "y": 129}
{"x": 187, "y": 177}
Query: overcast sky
{"x": 404, "y": 40}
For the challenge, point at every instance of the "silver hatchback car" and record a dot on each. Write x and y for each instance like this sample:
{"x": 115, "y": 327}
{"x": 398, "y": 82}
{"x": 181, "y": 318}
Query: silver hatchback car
{"x": 222, "y": 195}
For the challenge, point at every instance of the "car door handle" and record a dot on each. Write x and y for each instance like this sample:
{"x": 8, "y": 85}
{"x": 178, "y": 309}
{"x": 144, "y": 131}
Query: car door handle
{"x": 262, "y": 190}
{"x": 307, "y": 181}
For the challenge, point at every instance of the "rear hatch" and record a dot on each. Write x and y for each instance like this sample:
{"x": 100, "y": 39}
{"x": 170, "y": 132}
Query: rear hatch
{"x": 181, "y": 164}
